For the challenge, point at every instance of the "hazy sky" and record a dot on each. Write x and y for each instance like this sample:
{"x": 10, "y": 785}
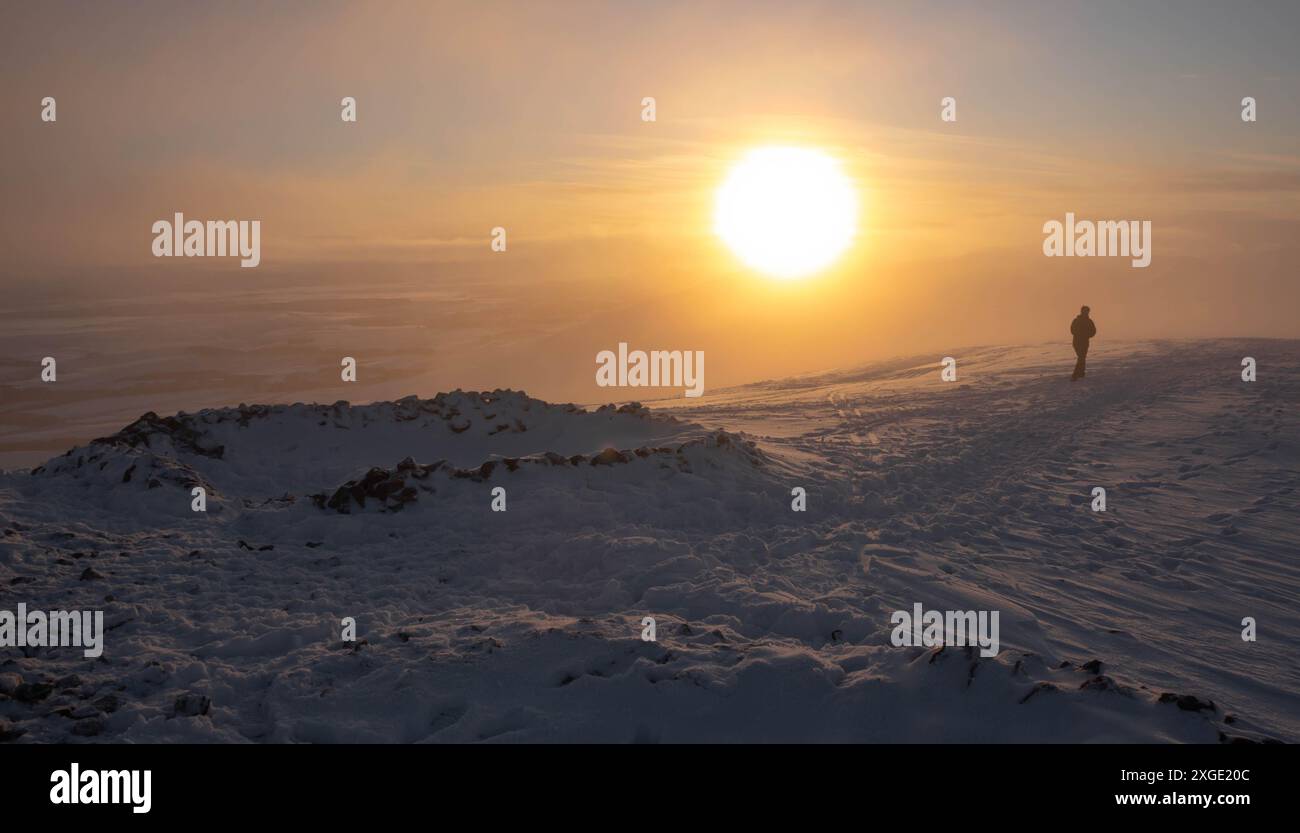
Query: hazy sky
{"x": 527, "y": 116}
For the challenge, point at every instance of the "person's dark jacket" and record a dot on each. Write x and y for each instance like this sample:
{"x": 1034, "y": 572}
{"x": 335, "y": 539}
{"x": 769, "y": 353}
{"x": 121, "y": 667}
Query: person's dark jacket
{"x": 1082, "y": 328}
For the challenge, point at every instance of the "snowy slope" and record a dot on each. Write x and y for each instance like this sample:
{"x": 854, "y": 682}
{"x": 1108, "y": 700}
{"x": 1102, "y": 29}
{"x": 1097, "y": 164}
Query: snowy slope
{"x": 525, "y": 625}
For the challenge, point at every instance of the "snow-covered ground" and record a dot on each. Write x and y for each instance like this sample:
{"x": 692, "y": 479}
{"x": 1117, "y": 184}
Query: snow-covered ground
{"x": 772, "y": 625}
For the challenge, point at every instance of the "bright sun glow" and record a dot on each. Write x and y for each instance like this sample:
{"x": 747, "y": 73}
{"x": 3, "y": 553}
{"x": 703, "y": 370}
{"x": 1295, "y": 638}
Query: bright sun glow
{"x": 787, "y": 212}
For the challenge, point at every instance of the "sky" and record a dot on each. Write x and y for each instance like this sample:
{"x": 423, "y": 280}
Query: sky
{"x": 476, "y": 115}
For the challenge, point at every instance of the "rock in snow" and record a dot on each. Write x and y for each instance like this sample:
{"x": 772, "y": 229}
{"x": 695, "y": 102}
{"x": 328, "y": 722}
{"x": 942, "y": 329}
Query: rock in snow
{"x": 473, "y": 624}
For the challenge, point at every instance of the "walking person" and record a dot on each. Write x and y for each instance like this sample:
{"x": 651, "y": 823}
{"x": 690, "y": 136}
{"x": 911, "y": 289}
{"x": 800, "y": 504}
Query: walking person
{"x": 1082, "y": 329}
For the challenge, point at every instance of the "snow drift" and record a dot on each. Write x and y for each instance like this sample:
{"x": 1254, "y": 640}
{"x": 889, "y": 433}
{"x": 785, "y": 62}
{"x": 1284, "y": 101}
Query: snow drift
{"x": 525, "y": 625}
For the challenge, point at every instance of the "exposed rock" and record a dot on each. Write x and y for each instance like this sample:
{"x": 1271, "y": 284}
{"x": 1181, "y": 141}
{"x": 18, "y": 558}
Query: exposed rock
{"x": 192, "y": 704}
{"x": 108, "y": 703}
{"x": 388, "y": 489}
{"x": 32, "y": 692}
{"x": 608, "y": 457}
{"x": 1039, "y": 688}
{"x": 1188, "y": 702}
{"x": 149, "y": 428}
{"x": 1101, "y": 683}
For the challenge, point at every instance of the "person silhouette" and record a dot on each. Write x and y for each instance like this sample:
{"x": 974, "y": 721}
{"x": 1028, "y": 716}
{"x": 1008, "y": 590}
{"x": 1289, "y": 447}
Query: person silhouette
{"x": 1083, "y": 329}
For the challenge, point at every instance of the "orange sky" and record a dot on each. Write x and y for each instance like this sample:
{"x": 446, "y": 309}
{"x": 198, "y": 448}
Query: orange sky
{"x": 479, "y": 115}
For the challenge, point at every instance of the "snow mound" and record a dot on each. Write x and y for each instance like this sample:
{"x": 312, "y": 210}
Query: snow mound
{"x": 255, "y": 452}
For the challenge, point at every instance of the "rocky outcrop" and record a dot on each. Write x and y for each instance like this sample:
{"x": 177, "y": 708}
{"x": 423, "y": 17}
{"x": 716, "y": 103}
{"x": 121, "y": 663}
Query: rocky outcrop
{"x": 391, "y": 490}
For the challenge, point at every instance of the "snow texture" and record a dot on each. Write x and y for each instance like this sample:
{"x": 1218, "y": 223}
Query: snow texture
{"x": 772, "y": 625}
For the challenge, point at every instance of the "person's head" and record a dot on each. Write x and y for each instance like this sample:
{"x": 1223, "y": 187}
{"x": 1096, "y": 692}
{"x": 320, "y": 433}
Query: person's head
{"x": 1084, "y": 311}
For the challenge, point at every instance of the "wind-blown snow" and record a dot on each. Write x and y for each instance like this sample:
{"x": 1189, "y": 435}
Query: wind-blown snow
{"x": 525, "y": 625}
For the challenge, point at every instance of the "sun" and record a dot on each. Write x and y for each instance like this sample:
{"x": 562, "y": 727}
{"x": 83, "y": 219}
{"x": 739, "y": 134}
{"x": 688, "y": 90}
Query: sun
{"x": 787, "y": 212}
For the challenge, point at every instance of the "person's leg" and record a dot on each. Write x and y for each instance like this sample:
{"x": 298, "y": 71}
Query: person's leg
{"x": 1083, "y": 362}
{"x": 1078, "y": 362}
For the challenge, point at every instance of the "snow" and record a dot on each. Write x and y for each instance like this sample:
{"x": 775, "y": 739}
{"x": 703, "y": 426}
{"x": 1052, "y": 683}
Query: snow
{"x": 525, "y": 625}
